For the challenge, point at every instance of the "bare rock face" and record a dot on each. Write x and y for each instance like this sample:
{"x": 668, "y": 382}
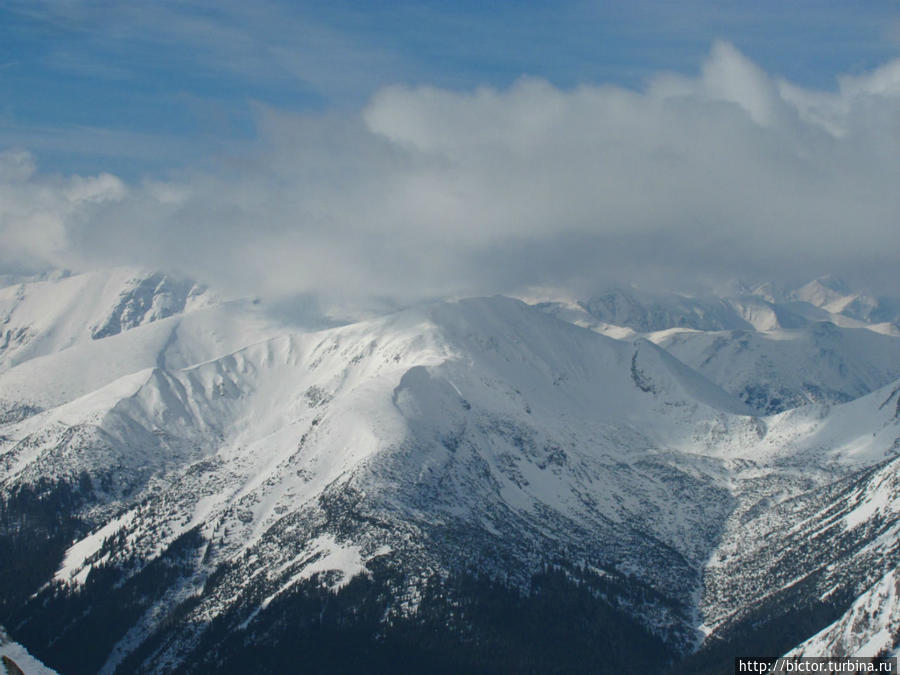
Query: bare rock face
{"x": 147, "y": 299}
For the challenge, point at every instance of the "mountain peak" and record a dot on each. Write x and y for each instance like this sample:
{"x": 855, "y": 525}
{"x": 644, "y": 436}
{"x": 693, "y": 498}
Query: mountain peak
{"x": 216, "y": 471}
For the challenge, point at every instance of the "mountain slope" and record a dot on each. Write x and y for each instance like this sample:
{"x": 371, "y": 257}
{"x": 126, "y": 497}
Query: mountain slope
{"x": 648, "y": 312}
{"x": 483, "y": 419}
{"x": 15, "y": 659}
{"x": 41, "y": 317}
{"x": 870, "y": 627}
{"x": 803, "y": 545}
{"x": 460, "y": 466}
{"x": 777, "y": 370}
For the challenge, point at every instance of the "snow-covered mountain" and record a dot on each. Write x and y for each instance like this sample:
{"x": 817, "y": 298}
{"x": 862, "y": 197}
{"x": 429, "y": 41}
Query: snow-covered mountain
{"x": 773, "y": 348}
{"x": 742, "y": 306}
{"x": 15, "y": 659}
{"x": 43, "y": 316}
{"x": 209, "y": 486}
{"x": 869, "y": 627}
{"x": 647, "y": 312}
{"x": 838, "y": 298}
{"x": 781, "y": 369}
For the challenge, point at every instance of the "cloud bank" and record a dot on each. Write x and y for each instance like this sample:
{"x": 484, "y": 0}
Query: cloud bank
{"x": 427, "y": 191}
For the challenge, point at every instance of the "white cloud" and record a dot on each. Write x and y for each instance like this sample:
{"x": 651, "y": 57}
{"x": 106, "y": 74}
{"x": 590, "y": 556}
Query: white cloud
{"x": 729, "y": 76}
{"x": 36, "y": 212}
{"x": 97, "y": 189}
{"x": 434, "y": 191}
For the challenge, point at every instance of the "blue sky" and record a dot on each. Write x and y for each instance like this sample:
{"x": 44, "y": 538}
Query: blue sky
{"x": 418, "y": 149}
{"x": 142, "y": 87}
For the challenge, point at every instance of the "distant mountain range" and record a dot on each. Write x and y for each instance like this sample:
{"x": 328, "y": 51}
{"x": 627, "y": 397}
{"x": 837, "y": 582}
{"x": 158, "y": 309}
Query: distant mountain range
{"x": 635, "y": 481}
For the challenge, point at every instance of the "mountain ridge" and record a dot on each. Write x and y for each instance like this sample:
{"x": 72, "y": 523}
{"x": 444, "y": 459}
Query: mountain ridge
{"x": 215, "y": 489}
